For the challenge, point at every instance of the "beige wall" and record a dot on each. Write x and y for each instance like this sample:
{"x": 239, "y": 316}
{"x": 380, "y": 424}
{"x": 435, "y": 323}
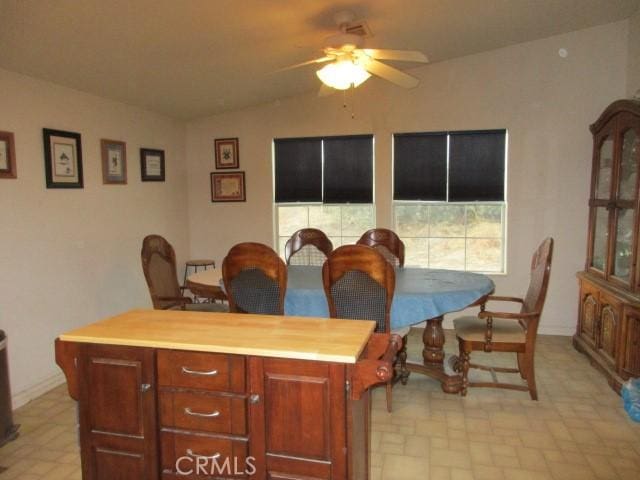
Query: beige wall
{"x": 68, "y": 257}
{"x": 633, "y": 67}
{"x": 545, "y": 101}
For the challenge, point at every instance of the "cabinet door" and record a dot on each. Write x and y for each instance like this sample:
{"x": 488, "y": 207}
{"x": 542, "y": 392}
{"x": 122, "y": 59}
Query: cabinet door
{"x": 588, "y": 313}
{"x": 609, "y": 326}
{"x": 298, "y": 422}
{"x": 117, "y": 413}
{"x": 631, "y": 354}
{"x": 600, "y": 201}
{"x": 623, "y": 256}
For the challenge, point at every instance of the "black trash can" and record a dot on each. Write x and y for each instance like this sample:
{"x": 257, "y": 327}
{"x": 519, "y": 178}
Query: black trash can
{"x": 8, "y": 431}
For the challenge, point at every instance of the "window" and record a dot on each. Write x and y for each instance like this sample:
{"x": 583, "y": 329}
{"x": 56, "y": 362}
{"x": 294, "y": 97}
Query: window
{"x": 324, "y": 183}
{"x": 449, "y": 199}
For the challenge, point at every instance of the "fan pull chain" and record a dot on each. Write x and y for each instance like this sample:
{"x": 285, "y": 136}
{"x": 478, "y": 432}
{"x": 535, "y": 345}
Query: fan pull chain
{"x": 344, "y": 101}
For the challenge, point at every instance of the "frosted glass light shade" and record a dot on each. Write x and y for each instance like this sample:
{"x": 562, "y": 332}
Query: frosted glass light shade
{"x": 342, "y": 74}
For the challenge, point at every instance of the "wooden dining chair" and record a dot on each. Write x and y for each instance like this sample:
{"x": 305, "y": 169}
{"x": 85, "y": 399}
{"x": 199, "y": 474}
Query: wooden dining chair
{"x": 255, "y": 279}
{"x": 387, "y": 243}
{"x": 359, "y": 284}
{"x": 308, "y": 246}
{"x": 159, "y": 267}
{"x": 495, "y": 331}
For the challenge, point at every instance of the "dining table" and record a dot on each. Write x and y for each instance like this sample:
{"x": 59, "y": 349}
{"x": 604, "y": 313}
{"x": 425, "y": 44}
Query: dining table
{"x": 421, "y": 295}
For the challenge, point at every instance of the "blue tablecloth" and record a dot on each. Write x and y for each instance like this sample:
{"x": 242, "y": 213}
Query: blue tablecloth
{"x": 420, "y": 293}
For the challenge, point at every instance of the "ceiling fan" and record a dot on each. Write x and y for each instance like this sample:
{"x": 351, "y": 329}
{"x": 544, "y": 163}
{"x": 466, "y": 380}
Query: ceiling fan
{"x": 351, "y": 65}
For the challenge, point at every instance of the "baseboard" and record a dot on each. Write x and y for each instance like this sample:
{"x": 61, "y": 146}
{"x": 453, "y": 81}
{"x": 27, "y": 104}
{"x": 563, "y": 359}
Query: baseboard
{"x": 562, "y": 330}
{"x": 25, "y": 396}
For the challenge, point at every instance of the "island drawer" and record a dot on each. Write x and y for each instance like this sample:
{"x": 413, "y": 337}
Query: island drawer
{"x": 210, "y": 412}
{"x": 226, "y": 457}
{"x": 201, "y": 370}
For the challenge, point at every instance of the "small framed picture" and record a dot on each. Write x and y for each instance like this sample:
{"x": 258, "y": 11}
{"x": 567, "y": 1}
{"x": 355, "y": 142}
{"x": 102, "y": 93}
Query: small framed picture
{"x": 114, "y": 162}
{"x": 62, "y": 159}
{"x": 152, "y": 165}
{"x": 7, "y": 156}
{"x": 227, "y": 187}
{"x": 227, "y": 154}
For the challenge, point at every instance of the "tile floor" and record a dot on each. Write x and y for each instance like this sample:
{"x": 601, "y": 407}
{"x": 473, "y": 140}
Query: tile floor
{"x": 577, "y": 430}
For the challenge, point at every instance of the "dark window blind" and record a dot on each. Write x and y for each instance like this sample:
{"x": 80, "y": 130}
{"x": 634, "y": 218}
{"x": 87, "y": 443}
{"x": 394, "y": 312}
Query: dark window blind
{"x": 348, "y": 169}
{"x": 298, "y": 170}
{"x": 420, "y": 166}
{"x": 476, "y": 166}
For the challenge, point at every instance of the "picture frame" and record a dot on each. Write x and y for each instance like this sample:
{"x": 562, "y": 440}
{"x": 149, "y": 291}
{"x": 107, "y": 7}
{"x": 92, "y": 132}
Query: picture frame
{"x": 228, "y": 187}
{"x": 227, "y": 153}
{"x": 62, "y": 158}
{"x": 151, "y": 165}
{"x": 7, "y": 155}
{"x": 114, "y": 162}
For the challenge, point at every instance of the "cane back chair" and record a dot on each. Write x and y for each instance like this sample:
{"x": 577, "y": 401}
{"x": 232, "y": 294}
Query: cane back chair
{"x": 308, "y": 246}
{"x": 359, "y": 284}
{"x": 159, "y": 267}
{"x": 255, "y": 279}
{"x": 387, "y": 243}
{"x": 508, "y": 332}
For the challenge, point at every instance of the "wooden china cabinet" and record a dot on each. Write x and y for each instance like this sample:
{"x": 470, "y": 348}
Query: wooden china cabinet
{"x": 608, "y": 330}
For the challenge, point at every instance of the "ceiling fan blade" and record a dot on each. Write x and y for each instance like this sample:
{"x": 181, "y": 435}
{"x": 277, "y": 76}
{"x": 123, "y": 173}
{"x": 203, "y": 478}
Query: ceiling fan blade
{"x": 309, "y": 62}
{"x": 401, "y": 55}
{"x": 325, "y": 90}
{"x": 391, "y": 74}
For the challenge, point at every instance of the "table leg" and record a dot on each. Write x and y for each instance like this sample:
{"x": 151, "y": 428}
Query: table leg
{"x": 433, "y": 359}
{"x": 433, "y": 339}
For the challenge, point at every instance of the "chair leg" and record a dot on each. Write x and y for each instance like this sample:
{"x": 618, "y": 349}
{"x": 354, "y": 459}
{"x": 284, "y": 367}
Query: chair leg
{"x": 464, "y": 360}
{"x": 402, "y": 358}
{"x": 522, "y": 364}
{"x": 531, "y": 376}
{"x": 389, "y": 392}
{"x": 457, "y": 364}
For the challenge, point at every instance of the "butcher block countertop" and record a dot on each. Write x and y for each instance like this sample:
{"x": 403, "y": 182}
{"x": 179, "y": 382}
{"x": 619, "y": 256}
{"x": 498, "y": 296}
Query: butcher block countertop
{"x": 302, "y": 338}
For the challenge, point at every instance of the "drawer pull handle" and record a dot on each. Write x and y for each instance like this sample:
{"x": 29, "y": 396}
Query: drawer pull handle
{"x": 191, "y": 454}
{"x": 210, "y": 373}
{"x": 213, "y": 414}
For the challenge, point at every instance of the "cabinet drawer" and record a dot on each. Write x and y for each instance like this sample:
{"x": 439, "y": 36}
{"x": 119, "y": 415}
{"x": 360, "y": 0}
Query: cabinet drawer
{"x": 208, "y": 412}
{"x": 187, "y": 452}
{"x": 204, "y": 371}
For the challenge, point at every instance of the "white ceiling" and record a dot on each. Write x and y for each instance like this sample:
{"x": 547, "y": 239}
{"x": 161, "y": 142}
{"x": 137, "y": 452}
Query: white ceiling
{"x": 193, "y": 58}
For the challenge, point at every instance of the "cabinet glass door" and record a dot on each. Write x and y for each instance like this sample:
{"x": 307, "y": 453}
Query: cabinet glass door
{"x": 605, "y": 169}
{"x": 625, "y": 212}
{"x": 628, "y": 166}
{"x": 600, "y": 238}
{"x": 623, "y": 253}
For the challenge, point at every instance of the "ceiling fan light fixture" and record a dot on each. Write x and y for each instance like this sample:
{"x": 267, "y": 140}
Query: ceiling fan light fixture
{"x": 343, "y": 74}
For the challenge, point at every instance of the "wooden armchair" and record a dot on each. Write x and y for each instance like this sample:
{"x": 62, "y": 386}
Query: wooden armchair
{"x": 359, "y": 284}
{"x": 309, "y": 246}
{"x": 255, "y": 279}
{"x": 387, "y": 243}
{"x": 508, "y": 332}
{"x": 159, "y": 267}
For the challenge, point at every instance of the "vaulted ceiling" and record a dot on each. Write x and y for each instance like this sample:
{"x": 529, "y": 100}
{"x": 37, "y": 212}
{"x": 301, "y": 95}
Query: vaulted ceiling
{"x": 194, "y": 58}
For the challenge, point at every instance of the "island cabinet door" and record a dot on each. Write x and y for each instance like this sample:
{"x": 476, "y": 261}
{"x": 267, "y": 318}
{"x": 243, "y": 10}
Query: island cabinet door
{"x": 297, "y": 419}
{"x": 117, "y": 413}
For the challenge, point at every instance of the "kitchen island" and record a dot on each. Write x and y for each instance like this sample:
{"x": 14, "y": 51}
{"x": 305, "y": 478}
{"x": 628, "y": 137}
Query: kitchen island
{"x": 176, "y": 394}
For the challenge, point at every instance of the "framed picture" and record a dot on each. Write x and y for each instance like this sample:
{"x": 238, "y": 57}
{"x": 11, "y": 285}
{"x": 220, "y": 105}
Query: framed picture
{"x": 227, "y": 187}
{"x": 7, "y": 156}
{"x": 152, "y": 165}
{"x": 227, "y": 154}
{"x": 114, "y": 162}
{"x": 62, "y": 159}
